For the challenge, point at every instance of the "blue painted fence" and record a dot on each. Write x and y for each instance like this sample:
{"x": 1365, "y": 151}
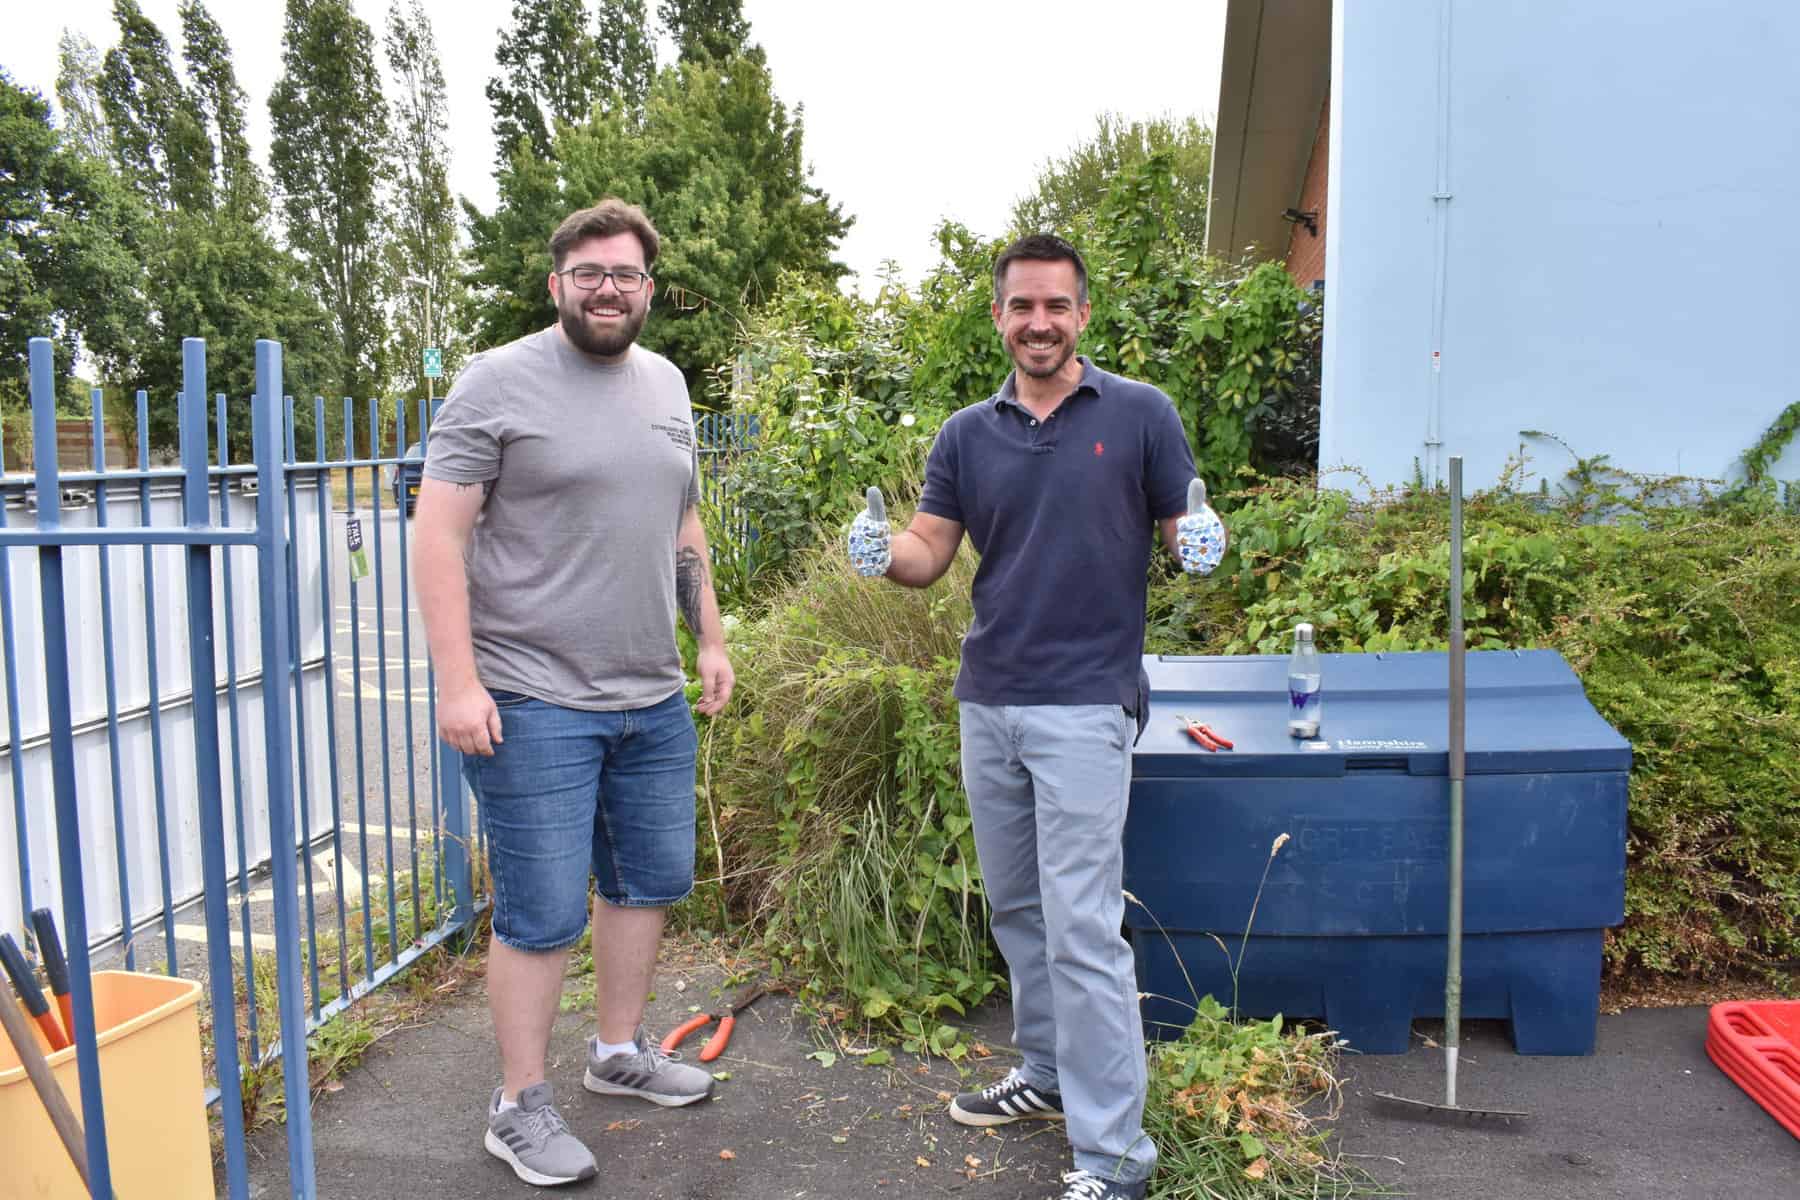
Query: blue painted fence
{"x": 302, "y": 804}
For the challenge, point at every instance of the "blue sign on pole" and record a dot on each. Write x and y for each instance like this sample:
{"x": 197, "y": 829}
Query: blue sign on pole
{"x": 434, "y": 363}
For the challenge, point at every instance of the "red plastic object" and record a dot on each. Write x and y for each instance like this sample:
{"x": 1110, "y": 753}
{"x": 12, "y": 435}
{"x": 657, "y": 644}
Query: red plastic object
{"x": 1757, "y": 1044}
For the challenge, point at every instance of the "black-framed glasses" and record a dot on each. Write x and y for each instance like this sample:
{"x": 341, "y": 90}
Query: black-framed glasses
{"x": 589, "y": 278}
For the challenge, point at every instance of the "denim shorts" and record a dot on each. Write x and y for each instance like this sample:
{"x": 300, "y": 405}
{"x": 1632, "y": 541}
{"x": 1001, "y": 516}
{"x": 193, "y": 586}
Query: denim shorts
{"x": 571, "y": 794}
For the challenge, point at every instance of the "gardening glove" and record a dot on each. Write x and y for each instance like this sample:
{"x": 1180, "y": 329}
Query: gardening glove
{"x": 1200, "y": 535}
{"x": 868, "y": 541}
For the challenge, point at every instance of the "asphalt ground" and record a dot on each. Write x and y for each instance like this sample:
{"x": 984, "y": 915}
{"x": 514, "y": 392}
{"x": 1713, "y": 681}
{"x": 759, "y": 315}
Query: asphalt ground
{"x": 1646, "y": 1115}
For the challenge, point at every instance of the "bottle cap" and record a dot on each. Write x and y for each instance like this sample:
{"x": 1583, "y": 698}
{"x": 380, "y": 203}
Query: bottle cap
{"x": 1303, "y": 632}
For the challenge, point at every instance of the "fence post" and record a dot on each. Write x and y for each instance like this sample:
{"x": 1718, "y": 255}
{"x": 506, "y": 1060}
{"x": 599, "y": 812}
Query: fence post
{"x": 456, "y": 833}
{"x": 272, "y": 587}
{"x": 62, "y": 763}
{"x": 203, "y": 674}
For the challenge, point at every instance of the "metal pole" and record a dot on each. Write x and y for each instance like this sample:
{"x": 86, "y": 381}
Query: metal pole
{"x": 202, "y": 661}
{"x": 62, "y": 763}
{"x": 429, "y": 381}
{"x": 1458, "y": 716}
{"x": 272, "y": 585}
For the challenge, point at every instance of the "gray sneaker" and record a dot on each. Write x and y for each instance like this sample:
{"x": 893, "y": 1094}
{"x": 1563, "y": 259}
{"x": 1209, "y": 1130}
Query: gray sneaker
{"x": 535, "y": 1142}
{"x": 648, "y": 1072}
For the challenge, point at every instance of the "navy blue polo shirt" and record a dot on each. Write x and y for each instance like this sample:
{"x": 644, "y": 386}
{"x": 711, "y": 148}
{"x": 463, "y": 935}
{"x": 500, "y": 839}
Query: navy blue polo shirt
{"x": 1062, "y": 512}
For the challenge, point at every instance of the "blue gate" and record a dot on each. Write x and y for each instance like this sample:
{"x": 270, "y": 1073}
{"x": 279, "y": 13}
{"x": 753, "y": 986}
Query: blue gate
{"x": 224, "y": 807}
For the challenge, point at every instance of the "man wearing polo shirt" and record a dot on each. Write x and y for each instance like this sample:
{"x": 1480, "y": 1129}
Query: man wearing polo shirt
{"x": 1059, "y": 480}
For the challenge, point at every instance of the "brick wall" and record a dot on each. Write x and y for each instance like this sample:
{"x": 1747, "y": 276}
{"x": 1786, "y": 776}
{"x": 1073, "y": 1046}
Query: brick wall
{"x": 1306, "y": 253}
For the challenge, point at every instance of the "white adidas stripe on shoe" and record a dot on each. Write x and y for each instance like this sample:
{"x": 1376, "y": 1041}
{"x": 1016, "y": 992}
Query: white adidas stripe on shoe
{"x": 1011, "y": 1099}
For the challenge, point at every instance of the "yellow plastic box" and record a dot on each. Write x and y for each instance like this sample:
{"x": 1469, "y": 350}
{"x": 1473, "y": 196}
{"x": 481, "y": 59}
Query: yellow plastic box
{"x": 149, "y": 1036}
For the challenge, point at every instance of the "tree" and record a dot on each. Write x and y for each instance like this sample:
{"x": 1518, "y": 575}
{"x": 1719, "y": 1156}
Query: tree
{"x": 552, "y": 69}
{"x": 219, "y": 101}
{"x": 158, "y": 131}
{"x": 203, "y": 262}
{"x": 78, "y": 95}
{"x": 717, "y": 162}
{"x": 330, "y": 133}
{"x": 628, "y": 52}
{"x": 423, "y": 241}
{"x": 1077, "y": 183}
{"x": 65, "y": 269}
{"x": 706, "y": 30}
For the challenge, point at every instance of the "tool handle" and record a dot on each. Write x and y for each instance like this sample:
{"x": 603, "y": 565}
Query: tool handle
{"x": 715, "y": 1045}
{"x": 56, "y": 967}
{"x": 1195, "y": 732}
{"x": 62, "y": 1117}
{"x": 680, "y": 1032}
{"x": 19, "y": 971}
{"x": 1218, "y": 737}
{"x": 30, "y": 993}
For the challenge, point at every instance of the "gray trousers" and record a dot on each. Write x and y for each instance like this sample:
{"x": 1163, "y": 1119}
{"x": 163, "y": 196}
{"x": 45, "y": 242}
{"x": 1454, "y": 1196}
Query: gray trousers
{"x": 1047, "y": 788}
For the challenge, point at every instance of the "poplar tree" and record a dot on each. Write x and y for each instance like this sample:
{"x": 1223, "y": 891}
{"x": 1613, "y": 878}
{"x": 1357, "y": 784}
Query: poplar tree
{"x": 423, "y": 244}
{"x": 327, "y": 157}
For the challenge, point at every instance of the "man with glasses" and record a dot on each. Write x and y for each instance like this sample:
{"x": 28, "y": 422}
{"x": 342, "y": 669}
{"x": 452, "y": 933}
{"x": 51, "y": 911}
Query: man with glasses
{"x": 557, "y": 538}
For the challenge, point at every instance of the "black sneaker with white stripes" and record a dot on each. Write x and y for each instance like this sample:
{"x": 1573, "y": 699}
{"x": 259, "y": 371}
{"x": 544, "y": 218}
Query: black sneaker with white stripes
{"x": 1085, "y": 1185}
{"x": 1012, "y": 1099}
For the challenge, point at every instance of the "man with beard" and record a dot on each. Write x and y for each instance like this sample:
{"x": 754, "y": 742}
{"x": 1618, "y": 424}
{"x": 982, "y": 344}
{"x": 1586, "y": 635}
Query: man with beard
{"x": 557, "y": 537}
{"x": 1059, "y": 479}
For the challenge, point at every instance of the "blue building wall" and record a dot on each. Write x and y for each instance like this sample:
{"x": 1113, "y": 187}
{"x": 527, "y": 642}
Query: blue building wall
{"x": 1619, "y": 245}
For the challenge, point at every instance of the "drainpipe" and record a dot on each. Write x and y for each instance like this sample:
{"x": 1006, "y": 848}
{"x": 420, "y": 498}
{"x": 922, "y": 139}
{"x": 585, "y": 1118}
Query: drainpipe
{"x": 1440, "y": 200}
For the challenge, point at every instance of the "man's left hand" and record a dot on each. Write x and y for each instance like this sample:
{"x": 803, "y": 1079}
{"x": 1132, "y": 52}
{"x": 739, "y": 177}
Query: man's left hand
{"x": 1200, "y": 535}
{"x": 716, "y": 680}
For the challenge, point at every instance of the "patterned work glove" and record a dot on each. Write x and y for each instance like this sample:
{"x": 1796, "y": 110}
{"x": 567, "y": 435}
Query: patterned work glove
{"x": 868, "y": 541}
{"x": 1200, "y": 534}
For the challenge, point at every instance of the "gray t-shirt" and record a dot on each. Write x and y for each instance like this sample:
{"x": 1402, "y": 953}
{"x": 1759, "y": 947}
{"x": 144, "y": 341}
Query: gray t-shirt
{"x": 571, "y": 564}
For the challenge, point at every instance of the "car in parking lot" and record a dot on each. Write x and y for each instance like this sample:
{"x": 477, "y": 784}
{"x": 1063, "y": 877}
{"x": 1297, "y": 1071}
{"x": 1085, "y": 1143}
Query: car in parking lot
{"x": 407, "y": 474}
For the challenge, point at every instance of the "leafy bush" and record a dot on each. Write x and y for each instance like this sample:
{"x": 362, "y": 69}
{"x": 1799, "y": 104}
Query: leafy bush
{"x": 827, "y": 381}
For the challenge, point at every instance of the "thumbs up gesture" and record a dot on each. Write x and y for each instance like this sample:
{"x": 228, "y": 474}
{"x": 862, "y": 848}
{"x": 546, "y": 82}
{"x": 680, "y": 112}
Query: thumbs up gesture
{"x": 1200, "y": 535}
{"x": 869, "y": 535}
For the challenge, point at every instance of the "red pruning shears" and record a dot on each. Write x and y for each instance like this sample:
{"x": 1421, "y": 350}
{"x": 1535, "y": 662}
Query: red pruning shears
{"x": 715, "y": 1045}
{"x": 1204, "y": 734}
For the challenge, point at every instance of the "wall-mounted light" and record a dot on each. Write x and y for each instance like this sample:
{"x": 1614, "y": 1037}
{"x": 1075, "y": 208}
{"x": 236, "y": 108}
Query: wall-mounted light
{"x": 1309, "y": 218}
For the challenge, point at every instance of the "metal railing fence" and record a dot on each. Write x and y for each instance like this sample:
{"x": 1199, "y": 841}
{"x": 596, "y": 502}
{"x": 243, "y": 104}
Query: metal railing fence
{"x": 332, "y": 840}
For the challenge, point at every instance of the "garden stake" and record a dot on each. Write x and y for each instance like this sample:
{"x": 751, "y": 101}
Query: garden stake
{"x": 1453, "y": 940}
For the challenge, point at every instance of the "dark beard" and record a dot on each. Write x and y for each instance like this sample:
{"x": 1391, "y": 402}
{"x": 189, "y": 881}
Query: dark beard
{"x": 607, "y": 345}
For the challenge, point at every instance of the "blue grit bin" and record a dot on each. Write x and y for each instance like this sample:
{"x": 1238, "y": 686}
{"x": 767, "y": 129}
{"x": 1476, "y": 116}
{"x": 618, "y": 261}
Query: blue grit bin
{"x": 1351, "y": 926}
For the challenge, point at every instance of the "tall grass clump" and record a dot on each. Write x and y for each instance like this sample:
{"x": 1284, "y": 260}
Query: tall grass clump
{"x": 832, "y": 797}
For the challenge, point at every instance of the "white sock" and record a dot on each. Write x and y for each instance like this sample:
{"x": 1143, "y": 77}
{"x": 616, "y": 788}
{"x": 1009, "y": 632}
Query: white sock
{"x": 605, "y": 1050}
{"x": 505, "y": 1104}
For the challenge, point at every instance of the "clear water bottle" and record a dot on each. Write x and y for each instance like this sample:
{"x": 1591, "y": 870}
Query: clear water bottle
{"x": 1304, "y": 697}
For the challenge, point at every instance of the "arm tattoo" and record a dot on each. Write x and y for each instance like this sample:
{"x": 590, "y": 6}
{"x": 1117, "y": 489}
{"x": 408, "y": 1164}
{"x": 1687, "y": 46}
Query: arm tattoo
{"x": 690, "y": 581}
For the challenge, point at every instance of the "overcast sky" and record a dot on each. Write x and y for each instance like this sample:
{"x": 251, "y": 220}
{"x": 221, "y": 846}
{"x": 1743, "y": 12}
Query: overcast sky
{"x": 914, "y": 112}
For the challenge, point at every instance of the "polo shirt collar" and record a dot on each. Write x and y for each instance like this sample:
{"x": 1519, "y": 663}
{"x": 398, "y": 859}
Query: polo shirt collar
{"x": 1090, "y": 382}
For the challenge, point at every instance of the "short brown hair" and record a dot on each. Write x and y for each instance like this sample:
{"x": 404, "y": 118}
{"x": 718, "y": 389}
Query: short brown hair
{"x": 606, "y": 219}
{"x": 1040, "y": 247}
